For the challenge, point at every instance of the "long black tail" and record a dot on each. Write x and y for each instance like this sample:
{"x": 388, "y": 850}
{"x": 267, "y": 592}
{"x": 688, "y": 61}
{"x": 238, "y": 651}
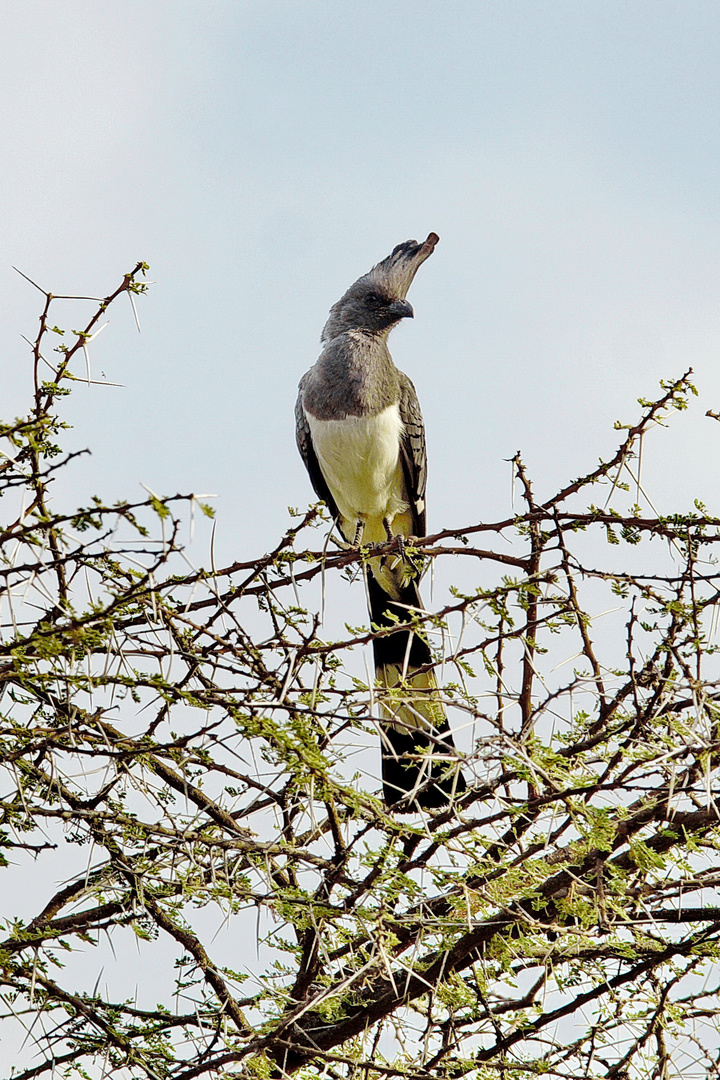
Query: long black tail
{"x": 419, "y": 760}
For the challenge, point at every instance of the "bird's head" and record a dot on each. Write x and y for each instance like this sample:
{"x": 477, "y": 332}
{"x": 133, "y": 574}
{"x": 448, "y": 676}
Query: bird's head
{"x": 376, "y": 302}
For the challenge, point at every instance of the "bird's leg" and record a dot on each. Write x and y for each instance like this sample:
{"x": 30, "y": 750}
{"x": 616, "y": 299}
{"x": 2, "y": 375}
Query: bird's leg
{"x": 395, "y": 536}
{"x": 359, "y": 530}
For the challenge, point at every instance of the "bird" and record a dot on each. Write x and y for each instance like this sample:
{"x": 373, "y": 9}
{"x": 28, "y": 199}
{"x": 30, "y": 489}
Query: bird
{"x": 361, "y": 435}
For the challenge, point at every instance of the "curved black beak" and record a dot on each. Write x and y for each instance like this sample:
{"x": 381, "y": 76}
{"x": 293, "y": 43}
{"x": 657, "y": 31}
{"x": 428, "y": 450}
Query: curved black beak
{"x": 400, "y": 309}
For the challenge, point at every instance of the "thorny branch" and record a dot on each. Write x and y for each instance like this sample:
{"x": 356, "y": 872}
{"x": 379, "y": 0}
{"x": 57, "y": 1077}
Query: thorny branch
{"x": 209, "y": 744}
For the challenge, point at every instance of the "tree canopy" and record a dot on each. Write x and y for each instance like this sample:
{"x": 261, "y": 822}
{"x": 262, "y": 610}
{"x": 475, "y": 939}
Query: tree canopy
{"x": 190, "y": 776}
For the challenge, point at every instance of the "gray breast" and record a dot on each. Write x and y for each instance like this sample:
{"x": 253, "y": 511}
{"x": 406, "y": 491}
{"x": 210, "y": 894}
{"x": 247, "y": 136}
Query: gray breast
{"x": 354, "y": 376}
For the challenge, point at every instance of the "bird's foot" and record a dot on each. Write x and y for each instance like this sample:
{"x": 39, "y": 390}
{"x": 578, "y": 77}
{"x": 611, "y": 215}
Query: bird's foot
{"x": 359, "y": 530}
{"x": 400, "y": 543}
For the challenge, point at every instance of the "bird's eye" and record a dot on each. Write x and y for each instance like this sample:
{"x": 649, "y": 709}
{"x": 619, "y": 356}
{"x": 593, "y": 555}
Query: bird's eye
{"x": 373, "y": 298}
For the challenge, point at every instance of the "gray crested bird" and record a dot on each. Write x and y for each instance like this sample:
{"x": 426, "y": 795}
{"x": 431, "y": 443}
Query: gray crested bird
{"x": 360, "y": 433}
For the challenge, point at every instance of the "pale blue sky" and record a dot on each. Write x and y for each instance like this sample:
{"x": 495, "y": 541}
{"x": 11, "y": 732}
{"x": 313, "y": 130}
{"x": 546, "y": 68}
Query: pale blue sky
{"x": 262, "y": 155}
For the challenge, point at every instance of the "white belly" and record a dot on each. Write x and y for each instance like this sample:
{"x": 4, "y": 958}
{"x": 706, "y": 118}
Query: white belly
{"x": 360, "y": 460}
